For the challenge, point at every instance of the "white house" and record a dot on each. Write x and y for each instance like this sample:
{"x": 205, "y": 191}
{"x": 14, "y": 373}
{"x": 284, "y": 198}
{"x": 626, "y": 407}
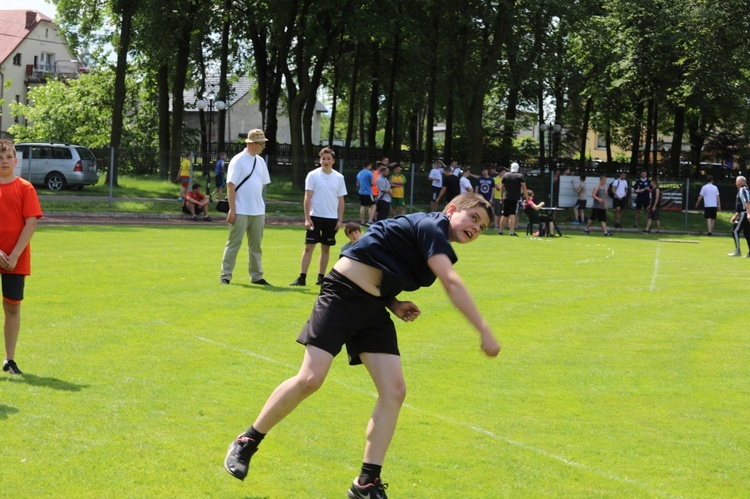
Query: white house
{"x": 242, "y": 113}
{"x": 31, "y": 50}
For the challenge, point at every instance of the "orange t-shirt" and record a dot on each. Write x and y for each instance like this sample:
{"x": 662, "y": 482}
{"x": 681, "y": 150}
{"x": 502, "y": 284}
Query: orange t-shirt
{"x": 18, "y": 201}
{"x": 375, "y": 175}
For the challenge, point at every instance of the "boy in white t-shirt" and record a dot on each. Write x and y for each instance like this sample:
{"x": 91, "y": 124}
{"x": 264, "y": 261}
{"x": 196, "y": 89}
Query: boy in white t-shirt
{"x": 324, "y": 213}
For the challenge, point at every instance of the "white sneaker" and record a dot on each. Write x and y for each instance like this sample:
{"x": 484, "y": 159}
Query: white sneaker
{"x": 736, "y": 253}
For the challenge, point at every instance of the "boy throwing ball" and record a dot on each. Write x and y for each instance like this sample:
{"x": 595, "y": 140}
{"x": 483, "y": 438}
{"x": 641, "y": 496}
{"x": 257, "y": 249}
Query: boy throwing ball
{"x": 394, "y": 255}
{"x": 19, "y": 211}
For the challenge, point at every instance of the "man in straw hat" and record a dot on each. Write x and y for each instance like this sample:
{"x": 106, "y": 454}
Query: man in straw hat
{"x": 247, "y": 177}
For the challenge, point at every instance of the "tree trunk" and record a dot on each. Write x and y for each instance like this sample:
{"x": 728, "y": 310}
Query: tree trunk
{"x": 649, "y": 124}
{"x": 223, "y": 84}
{"x": 128, "y": 9}
{"x": 182, "y": 60}
{"x": 584, "y": 133}
{"x": 162, "y": 78}
{"x": 636, "y": 137}
{"x": 391, "y": 107}
{"x": 374, "y": 106}
{"x": 675, "y": 154}
{"x": 352, "y": 100}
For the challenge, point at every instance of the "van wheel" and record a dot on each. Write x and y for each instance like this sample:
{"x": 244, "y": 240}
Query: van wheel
{"x": 55, "y": 181}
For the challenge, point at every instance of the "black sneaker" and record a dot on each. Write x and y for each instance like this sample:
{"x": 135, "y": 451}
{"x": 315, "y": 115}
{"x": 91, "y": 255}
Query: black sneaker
{"x": 374, "y": 490}
{"x": 195, "y": 218}
{"x": 238, "y": 457}
{"x": 10, "y": 366}
{"x": 298, "y": 282}
{"x": 262, "y": 282}
{"x": 319, "y": 281}
{"x": 607, "y": 234}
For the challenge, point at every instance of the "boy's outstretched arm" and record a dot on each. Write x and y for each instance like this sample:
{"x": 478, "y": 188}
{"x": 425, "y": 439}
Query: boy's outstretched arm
{"x": 442, "y": 267}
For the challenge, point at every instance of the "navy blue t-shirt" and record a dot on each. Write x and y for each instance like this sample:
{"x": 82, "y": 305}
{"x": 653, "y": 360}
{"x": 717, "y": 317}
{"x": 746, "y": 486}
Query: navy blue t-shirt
{"x": 400, "y": 247}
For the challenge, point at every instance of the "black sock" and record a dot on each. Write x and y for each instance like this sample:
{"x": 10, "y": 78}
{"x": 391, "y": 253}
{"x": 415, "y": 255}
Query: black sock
{"x": 302, "y": 276}
{"x": 320, "y": 277}
{"x": 369, "y": 473}
{"x": 255, "y": 435}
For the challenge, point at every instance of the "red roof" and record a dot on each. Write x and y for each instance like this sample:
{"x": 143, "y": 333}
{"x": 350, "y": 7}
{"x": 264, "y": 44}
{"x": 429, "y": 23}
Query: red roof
{"x": 13, "y": 30}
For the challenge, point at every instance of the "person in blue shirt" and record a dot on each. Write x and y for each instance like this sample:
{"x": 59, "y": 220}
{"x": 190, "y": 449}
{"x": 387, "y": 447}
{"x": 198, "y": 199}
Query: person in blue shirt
{"x": 398, "y": 254}
{"x": 220, "y": 176}
{"x": 365, "y": 181}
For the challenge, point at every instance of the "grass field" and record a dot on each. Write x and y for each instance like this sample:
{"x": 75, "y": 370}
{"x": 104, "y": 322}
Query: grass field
{"x": 624, "y": 373}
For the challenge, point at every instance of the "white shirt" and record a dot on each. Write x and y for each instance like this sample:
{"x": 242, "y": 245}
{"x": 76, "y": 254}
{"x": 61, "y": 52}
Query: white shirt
{"x": 326, "y": 189}
{"x": 710, "y": 195}
{"x": 465, "y": 185}
{"x": 248, "y": 199}
{"x": 436, "y": 175}
{"x": 621, "y": 188}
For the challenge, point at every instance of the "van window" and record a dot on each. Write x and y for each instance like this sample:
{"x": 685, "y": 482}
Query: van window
{"x": 41, "y": 152}
{"x": 62, "y": 153}
{"x": 85, "y": 153}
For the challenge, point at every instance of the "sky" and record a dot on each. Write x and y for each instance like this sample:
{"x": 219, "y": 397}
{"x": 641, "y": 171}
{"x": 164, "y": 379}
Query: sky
{"x": 46, "y": 8}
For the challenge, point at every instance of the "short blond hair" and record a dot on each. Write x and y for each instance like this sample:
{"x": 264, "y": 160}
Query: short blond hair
{"x": 468, "y": 201}
{"x": 7, "y": 145}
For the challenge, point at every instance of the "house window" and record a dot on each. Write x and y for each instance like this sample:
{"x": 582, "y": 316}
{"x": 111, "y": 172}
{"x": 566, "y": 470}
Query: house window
{"x": 601, "y": 141}
{"x": 47, "y": 62}
{"x": 17, "y": 60}
{"x": 15, "y": 118}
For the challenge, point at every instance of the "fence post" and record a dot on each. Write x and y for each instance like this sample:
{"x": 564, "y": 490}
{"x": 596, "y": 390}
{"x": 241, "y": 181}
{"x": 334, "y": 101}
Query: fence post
{"x": 411, "y": 188}
{"x": 111, "y": 172}
{"x": 687, "y": 200}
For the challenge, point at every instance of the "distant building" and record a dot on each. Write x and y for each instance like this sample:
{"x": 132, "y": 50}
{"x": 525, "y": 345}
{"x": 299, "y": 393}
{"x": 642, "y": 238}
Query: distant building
{"x": 31, "y": 51}
{"x": 243, "y": 113}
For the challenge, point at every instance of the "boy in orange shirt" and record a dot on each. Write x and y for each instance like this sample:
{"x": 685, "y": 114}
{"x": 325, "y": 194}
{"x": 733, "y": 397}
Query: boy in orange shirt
{"x": 19, "y": 211}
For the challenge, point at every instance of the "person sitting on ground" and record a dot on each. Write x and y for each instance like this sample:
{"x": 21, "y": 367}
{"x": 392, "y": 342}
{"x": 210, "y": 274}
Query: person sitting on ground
{"x": 194, "y": 202}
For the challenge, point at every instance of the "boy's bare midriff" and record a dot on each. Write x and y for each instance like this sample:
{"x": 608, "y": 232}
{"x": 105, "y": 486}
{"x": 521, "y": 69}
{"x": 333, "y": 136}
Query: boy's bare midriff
{"x": 366, "y": 277}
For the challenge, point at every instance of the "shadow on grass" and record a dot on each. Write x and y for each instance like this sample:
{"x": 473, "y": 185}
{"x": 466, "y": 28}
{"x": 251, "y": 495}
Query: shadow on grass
{"x": 6, "y": 410}
{"x": 54, "y": 383}
{"x": 283, "y": 288}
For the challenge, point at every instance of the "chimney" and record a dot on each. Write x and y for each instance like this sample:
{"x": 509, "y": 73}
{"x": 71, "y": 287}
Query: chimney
{"x": 30, "y": 18}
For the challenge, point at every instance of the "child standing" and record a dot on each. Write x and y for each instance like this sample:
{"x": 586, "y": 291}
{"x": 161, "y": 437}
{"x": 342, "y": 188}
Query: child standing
{"x": 398, "y": 254}
{"x": 19, "y": 211}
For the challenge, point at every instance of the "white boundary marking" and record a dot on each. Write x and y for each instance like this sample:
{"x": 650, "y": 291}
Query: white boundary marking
{"x": 656, "y": 268}
{"x": 464, "y": 424}
{"x": 611, "y": 254}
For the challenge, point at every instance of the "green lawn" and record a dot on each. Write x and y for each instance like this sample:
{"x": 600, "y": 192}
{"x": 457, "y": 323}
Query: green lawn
{"x": 623, "y": 373}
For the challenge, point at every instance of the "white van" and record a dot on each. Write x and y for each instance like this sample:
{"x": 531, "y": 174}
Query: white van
{"x": 56, "y": 166}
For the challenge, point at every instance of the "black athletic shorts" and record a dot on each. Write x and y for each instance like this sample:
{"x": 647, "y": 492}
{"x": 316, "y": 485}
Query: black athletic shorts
{"x": 13, "y": 287}
{"x": 598, "y": 215}
{"x": 620, "y": 203}
{"x": 709, "y": 213}
{"x": 366, "y": 200}
{"x": 346, "y": 315}
{"x": 580, "y": 204}
{"x": 323, "y": 231}
{"x": 510, "y": 207}
{"x": 642, "y": 202}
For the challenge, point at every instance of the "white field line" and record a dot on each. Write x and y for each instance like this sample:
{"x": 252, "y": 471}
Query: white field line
{"x": 656, "y": 267}
{"x": 477, "y": 429}
{"x": 610, "y": 255}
